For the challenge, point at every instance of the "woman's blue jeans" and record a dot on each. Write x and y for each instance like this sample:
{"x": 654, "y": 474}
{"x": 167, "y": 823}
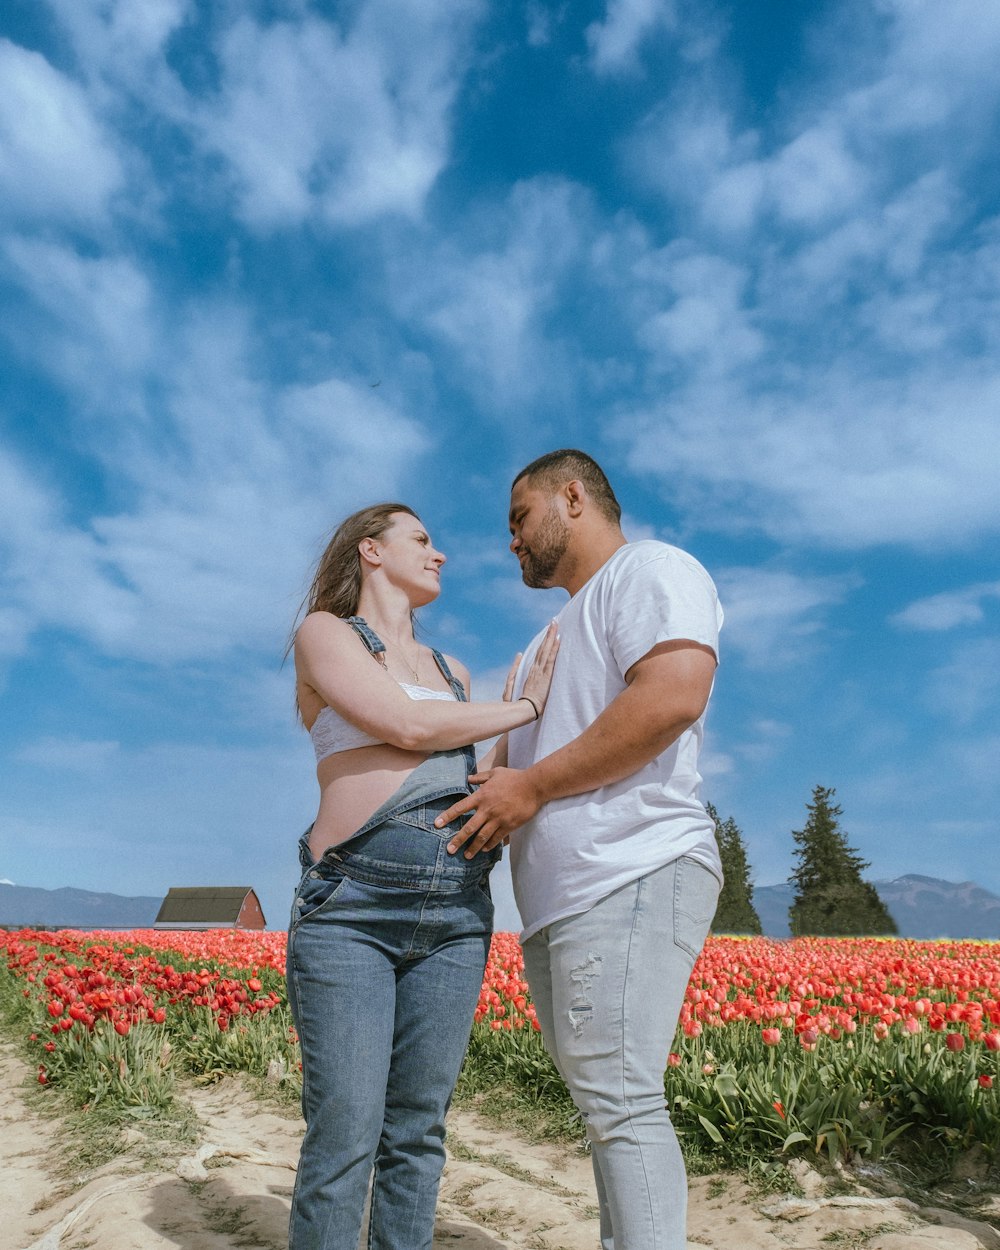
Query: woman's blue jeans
{"x": 386, "y": 953}
{"x": 607, "y": 985}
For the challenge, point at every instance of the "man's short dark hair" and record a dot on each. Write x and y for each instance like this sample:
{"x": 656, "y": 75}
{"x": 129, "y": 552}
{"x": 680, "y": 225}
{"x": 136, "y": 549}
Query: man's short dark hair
{"x": 556, "y": 468}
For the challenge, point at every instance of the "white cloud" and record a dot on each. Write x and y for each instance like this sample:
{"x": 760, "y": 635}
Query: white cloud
{"x": 923, "y": 92}
{"x": 490, "y": 301}
{"x": 689, "y": 149}
{"x": 768, "y": 738}
{"x": 334, "y": 121}
{"x": 636, "y": 530}
{"x": 773, "y": 617}
{"x": 939, "y": 65}
{"x": 99, "y": 314}
{"x": 231, "y": 483}
{"x": 883, "y": 251}
{"x": 71, "y": 754}
{"x": 713, "y": 763}
{"x": 814, "y": 177}
{"x": 540, "y": 19}
{"x": 614, "y": 41}
{"x": 810, "y": 182}
{"x": 50, "y": 563}
{"x": 948, "y": 609}
{"x": 57, "y": 163}
{"x": 350, "y": 418}
{"x": 966, "y": 687}
{"x": 343, "y": 124}
{"x": 15, "y": 628}
{"x": 219, "y": 549}
{"x": 706, "y": 322}
{"x": 214, "y": 814}
{"x": 118, "y": 38}
{"x": 695, "y": 151}
{"x": 838, "y": 385}
{"x": 832, "y": 457}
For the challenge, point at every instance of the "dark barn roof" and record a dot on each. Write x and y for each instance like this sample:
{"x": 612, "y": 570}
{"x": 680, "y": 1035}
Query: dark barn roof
{"x": 208, "y": 907}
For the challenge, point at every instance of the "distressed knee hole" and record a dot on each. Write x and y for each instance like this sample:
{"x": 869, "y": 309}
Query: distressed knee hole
{"x": 581, "y": 1009}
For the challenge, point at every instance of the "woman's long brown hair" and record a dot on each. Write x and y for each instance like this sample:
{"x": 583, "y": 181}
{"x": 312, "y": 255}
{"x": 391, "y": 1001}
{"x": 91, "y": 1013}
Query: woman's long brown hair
{"x": 336, "y": 587}
{"x": 336, "y": 584}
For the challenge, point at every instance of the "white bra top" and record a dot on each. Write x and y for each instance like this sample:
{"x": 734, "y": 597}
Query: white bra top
{"x": 330, "y": 733}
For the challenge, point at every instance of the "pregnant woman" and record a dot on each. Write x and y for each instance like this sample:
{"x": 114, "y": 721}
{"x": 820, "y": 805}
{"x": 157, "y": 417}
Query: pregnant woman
{"x": 389, "y": 933}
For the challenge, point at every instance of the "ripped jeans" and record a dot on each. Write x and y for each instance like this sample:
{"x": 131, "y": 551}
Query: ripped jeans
{"x": 607, "y": 985}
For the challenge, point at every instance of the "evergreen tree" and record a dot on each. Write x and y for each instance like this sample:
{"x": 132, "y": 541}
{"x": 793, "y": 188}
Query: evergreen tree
{"x": 735, "y": 912}
{"x": 831, "y": 898}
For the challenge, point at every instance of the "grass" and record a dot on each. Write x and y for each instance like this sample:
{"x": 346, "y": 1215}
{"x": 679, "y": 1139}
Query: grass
{"x": 505, "y": 1164}
{"x": 857, "y": 1239}
{"x": 96, "y": 1135}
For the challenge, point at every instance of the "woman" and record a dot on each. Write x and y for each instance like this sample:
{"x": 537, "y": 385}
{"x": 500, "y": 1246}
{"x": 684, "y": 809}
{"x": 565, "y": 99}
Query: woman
{"x": 389, "y": 933}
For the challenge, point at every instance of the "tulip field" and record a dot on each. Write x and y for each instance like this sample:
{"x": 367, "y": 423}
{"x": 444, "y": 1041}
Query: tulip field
{"x": 842, "y": 1047}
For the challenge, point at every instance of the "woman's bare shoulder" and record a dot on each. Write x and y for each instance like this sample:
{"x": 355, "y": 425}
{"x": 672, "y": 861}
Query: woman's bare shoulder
{"x": 459, "y": 670}
{"x": 323, "y": 627}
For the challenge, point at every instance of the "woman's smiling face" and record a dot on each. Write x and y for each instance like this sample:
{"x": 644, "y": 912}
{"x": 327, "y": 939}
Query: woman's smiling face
{"x": 410, "y": 560}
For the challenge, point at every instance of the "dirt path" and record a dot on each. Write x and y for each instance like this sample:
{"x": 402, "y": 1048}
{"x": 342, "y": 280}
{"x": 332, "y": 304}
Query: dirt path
{"x": 232, "y": 1192}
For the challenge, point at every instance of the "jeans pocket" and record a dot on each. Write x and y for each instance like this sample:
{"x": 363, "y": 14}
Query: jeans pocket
{"x": 316, "y": 891}
{"x": 696, "y": 895}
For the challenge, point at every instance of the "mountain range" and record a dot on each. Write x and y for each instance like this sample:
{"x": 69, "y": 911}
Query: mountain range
{"x": 922, "y": 907}
{"x": 25, "y": 906}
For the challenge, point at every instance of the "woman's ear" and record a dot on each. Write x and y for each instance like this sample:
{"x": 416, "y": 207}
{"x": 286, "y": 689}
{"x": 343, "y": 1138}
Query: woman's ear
{"x": 368, "y": 551}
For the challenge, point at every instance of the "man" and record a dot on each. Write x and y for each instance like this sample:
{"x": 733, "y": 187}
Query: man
{"x": 615, "y": 866}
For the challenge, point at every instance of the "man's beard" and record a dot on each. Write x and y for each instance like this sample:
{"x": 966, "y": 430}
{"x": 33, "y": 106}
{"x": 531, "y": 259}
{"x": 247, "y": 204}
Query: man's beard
{"x": 548, "y": 546}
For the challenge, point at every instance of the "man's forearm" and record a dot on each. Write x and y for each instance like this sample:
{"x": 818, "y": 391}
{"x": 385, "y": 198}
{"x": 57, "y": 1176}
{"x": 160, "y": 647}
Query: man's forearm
{"x": 623, "y": 739}
{"x": 666, "y": 692}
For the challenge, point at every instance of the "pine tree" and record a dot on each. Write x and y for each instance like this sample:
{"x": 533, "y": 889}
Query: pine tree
{"x": 735, "y": 912}
{"x": 832, "y": 899}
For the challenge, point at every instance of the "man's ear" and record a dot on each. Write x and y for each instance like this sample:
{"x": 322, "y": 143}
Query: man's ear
{"x": 575, "y": 494}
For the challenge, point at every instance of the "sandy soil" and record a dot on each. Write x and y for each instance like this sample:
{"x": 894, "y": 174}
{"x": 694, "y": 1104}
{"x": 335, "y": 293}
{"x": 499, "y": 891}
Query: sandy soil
{"x": 499, "y": 1192}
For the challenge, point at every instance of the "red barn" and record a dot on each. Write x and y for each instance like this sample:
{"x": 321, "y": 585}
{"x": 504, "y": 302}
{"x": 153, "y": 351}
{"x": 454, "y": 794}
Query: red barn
{"x": 210, "y": 907}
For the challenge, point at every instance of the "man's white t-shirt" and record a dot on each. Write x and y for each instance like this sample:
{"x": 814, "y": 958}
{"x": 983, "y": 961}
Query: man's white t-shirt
{"x": 580, "y": 849}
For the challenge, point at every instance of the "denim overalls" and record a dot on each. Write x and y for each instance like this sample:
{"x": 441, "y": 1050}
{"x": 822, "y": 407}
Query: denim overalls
{"x": 386, "y": 953}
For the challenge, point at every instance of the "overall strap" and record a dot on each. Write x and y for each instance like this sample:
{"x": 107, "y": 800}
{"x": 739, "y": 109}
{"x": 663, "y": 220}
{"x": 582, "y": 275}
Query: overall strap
{"x": 457, "y": 689}
{"x": 377, "y": 648}
{"x": 368, "y": 636}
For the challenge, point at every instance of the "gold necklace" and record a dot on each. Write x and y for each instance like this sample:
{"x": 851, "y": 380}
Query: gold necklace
{"x": 398, "y": 646}
{"x": 414, "y": 671}
{"x": 403, "y": 656}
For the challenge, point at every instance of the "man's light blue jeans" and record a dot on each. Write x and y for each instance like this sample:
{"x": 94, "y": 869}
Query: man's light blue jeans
{"x": 608, "y": 985}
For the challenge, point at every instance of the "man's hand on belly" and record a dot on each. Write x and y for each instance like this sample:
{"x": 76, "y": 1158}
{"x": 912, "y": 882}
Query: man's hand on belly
{"x": 506, "y": 799}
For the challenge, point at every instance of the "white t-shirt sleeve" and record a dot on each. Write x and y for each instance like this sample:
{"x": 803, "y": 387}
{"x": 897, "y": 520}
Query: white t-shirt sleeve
{"x": 662, "y": 599}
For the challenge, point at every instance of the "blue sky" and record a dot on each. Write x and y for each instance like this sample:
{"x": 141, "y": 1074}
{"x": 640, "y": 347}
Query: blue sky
{"x": 262, "y": 263}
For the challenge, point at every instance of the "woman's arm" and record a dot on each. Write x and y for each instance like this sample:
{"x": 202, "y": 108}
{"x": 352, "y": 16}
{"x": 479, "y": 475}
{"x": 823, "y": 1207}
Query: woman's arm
{"x": 330, "y": 658}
